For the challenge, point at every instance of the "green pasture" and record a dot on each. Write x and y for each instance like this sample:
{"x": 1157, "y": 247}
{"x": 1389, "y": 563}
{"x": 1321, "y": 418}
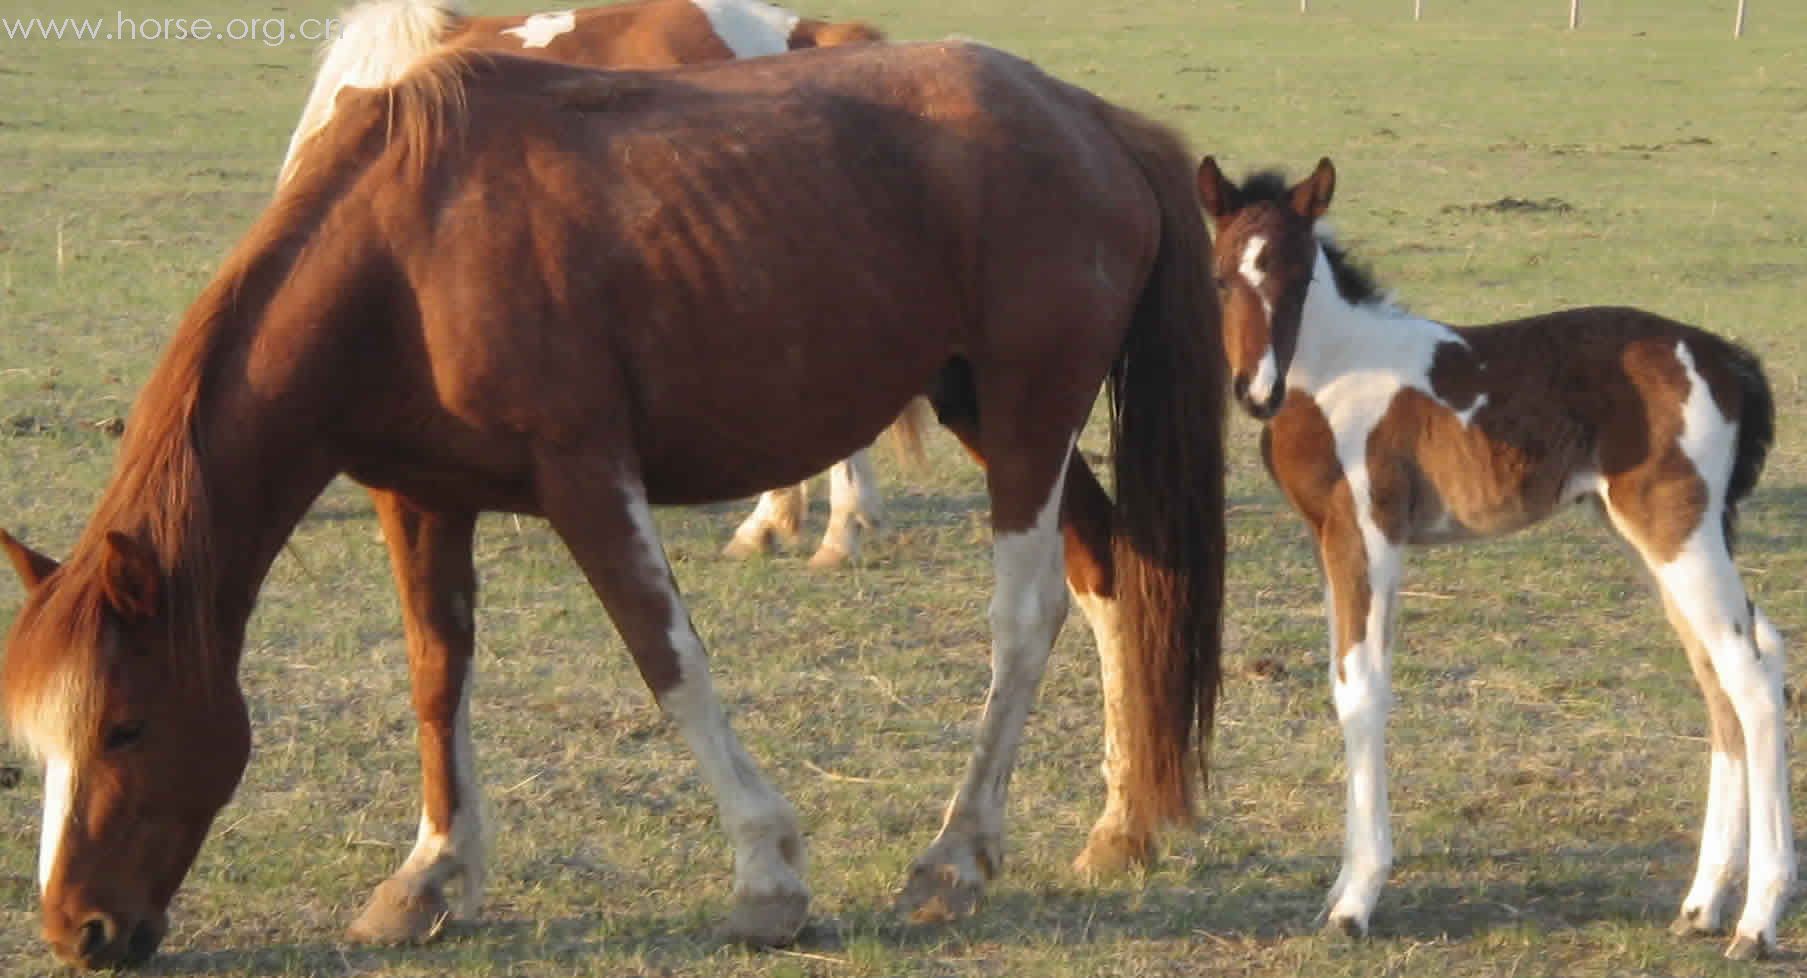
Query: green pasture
{"x": 1548, "y": 748}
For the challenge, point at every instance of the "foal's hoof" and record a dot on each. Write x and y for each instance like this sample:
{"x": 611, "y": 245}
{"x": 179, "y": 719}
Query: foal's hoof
{"x": 771, "y": 920}
{"x": 1112, "y": 852}
{"x": 1345, "y": 928}
{"x": 1747, "y": 948}
{"x": 1692, "y": 922}
{"x": 936, "y": 894}
{"x": 396, "y": 916}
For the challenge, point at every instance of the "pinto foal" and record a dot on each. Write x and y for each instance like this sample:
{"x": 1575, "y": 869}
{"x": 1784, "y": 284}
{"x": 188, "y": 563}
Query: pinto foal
{"x": 1387, "y": 430}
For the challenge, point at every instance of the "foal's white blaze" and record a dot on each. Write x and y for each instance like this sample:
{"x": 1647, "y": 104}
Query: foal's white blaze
{"x": 750, "y": 29}
{"x": 1267, "y": 374}
{"x": 59, "y": 796}
{"x": 540, "y": 30}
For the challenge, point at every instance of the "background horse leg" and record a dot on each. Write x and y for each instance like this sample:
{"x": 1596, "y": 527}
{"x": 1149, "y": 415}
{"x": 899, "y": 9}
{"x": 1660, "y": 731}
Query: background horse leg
{"x": 779, "y": 513}
{"x": 604, "y": 519}
{"x": 1027, "y": 609}
{"x": 1362, "y": 581}
{"x": 1745, "y": 653}
{"x": 430, "y": 555}
{"x": 854, "y": 505}
{"x": 1123, "y": 835}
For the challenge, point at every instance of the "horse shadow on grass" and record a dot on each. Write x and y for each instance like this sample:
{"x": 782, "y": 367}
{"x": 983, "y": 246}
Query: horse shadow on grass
{"x": 1260, "y": 898}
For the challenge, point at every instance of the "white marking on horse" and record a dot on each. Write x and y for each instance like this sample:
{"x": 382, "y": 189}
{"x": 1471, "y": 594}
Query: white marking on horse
{"x": 1267, "y": 374}
{"x": 750, "y": 29}
{"x": 459, "y": 851}
{"x": 59, "y": 799}
{"x": 540, "y": 30}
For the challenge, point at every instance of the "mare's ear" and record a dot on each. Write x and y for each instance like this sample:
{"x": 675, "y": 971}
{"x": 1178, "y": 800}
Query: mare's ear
{"x": 1311, "y": 198}
{"x": 1218, "y": 195}
{"x": 131, "y": 580}
{"x": 32, "y": 566}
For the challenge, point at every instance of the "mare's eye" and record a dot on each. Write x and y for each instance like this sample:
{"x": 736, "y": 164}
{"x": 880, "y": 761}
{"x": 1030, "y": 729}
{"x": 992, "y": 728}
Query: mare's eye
{"x": 124, "y": 735}
{"x": 1223, "y": 284}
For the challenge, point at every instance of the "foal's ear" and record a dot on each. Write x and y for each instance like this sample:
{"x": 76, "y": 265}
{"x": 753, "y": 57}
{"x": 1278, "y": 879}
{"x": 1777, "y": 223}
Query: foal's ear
{"x": 131, "y": 580}
{"x": 1218, "y": 195}
{"x": 32, "y": 566}
{"x": 1311, "y": 198}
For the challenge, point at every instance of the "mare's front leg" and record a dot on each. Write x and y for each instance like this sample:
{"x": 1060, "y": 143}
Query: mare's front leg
{"x": 1362, "y": 571}
{"x": 430, "y": 554}
{"x": 601, "y": 513}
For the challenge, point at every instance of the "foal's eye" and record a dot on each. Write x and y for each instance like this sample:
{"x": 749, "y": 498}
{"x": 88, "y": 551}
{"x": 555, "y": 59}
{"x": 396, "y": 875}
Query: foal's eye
{"x": 1223, "y": 284}
{"x": 124, "y": 735}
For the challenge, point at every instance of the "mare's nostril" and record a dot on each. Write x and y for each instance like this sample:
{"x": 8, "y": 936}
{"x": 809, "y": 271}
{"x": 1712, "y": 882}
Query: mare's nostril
{"x": 96, "y": 934}
{"x": 145, "y": 938}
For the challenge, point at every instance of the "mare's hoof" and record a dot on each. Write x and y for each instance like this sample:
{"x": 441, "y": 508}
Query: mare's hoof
{"x": 396, "y": 916}
{"x": 1746, "y": 948}
{"x": 771, "y": 920}
{"x": 935, "y": 894}
{"x": 1112, "y": 852}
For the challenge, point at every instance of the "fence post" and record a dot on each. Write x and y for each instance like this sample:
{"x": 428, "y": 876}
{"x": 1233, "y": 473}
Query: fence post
{"x": 1738, "y": 25}
{"x": 1417, "y": 9}
{"x": 1574, "y": 14}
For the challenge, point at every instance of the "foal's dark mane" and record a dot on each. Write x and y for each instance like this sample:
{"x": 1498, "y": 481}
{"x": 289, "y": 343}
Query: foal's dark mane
{"x": 1354, "y": 281}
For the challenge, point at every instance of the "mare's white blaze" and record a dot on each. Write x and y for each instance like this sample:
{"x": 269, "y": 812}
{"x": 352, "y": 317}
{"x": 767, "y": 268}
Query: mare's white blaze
{"x": 59, "y": 797}
{"x": 768, "y": 850}
{"x": 540, "y": 30}
{"x": 749, "y": 28}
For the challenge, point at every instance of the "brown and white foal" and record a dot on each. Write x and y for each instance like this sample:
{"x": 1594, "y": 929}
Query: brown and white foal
{"x": 1387, "y": 430}
{"x": 380, "y": 40}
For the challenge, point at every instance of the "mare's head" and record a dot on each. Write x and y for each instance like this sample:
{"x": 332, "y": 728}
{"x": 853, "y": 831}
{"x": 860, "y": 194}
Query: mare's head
{"x": 1265, "y": 252}
{"x": 142, "y": 743}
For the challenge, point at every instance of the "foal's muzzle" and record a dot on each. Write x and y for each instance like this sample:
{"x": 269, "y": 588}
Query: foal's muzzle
{"x": 1260, "y": 410}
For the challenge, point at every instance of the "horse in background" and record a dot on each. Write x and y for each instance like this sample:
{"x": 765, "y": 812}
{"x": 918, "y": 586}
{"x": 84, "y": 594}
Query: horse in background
{"x": 379, "y": 40}
{"x": 1386, "y": 430}
{"x": 507, "y": 284}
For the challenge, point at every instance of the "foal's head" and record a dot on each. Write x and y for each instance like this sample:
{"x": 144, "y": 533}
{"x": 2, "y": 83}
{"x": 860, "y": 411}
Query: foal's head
{"x": 141, "y": 748}
{"x": 1265, "y": 253}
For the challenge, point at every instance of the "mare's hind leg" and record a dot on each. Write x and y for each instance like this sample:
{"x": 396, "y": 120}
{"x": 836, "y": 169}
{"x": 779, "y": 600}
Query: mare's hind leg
{"x": 430, "y": 554}
{"x": 1024, "y": 473}
{"x": 853, "y": 508}
{"x": 1701, "y": 583}
{"x": 602, "y": 515}
{"x": 1123, "y": 835}
{"x": 778, "y": 516}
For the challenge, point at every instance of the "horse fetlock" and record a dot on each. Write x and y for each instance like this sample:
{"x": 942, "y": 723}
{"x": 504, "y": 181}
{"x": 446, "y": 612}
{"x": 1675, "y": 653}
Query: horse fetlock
{"x": 1697, "y": 920}
{"x": 1750, "y": 947}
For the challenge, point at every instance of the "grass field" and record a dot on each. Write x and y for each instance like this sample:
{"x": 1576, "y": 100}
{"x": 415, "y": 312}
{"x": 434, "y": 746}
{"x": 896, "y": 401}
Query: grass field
{"x": 1548, "y": 747}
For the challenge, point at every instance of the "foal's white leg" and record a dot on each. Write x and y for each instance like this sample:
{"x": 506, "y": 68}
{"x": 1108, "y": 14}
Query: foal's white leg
{"x": 1027, "y": 609}
{"x": 1725, "y": 831}
{"x": 1362, "y": 689}
{"x": 854, "y": 505}
{"x": 779, "y": 513}
{"x": 1747, "y": 656}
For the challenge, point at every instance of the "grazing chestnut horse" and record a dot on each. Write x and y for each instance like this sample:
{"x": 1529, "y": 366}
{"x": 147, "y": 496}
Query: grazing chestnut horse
{"x": 379, "y": 40}
{"x": 1386, "y": 430}
{"x": 517, "y": 285}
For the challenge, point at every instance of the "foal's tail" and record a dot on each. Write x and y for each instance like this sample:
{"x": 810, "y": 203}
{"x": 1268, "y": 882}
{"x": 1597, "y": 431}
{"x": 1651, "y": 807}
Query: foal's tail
{"x": 1756, "y": 430}
{"x": 1167, "y": 527}
{"x": 378, "y": 41}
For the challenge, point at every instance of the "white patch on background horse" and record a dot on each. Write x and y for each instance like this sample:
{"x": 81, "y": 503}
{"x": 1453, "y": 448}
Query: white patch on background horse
{"x": 749, "y": 28}
{"x": 541, "y": 30}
